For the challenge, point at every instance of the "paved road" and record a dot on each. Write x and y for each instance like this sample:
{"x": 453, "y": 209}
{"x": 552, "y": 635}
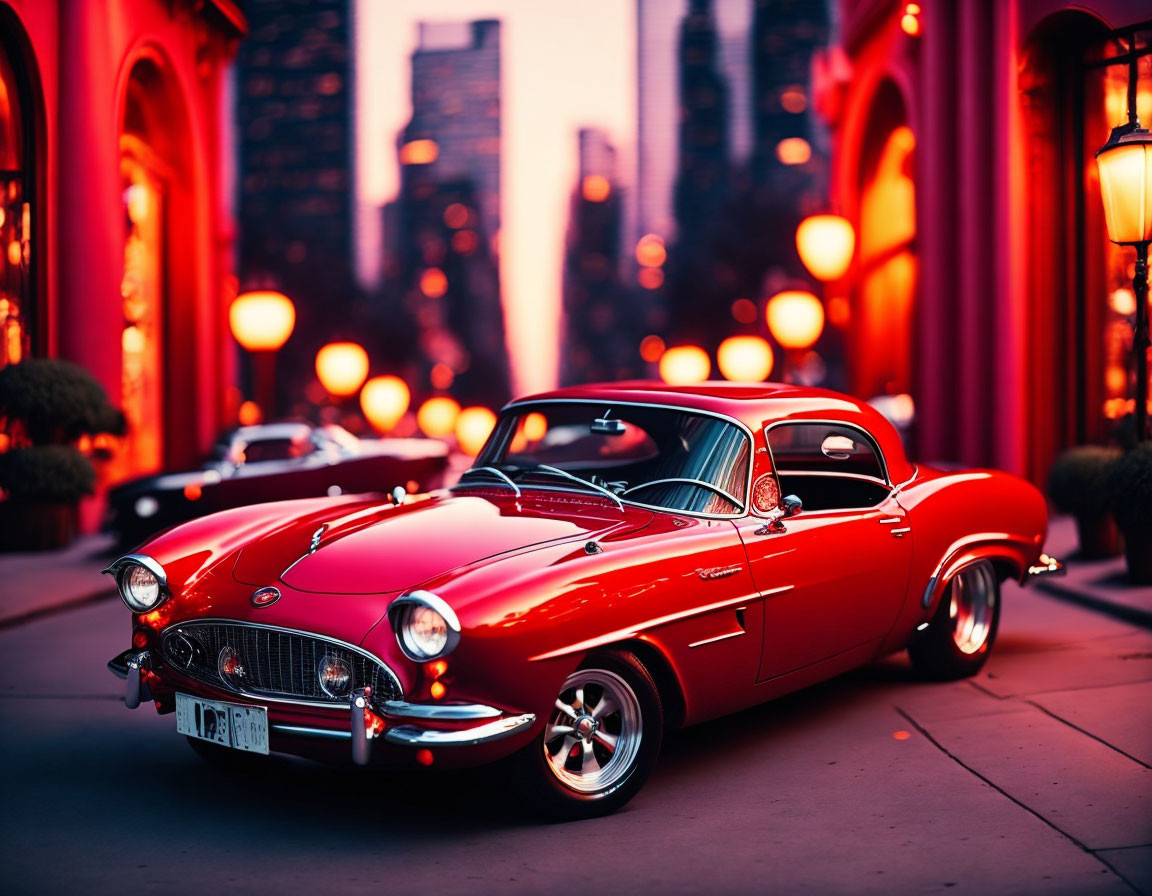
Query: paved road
{"x": 1034, "y": 778}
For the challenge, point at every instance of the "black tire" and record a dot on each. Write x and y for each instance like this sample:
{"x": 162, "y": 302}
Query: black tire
{"x": 225, "y": 759}
{"x": 551, "y": 772}
{"x": 957, "y": 642}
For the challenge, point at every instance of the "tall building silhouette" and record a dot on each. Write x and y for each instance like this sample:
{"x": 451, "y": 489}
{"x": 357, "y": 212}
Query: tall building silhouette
{"x": 441, "y": 233}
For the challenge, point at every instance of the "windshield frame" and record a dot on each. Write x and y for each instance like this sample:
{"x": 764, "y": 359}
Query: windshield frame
{"x": 600, "y": 402}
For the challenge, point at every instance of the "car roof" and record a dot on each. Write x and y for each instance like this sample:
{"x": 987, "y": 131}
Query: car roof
{"x": 293, "y": 431}
{"x": 756, "y": 405}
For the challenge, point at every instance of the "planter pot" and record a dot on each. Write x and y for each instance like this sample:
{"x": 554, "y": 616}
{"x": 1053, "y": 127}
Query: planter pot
{"x": 37, "y": 525}
{"x": 1099, "y": 536}
{"x": 1138, "y": 552}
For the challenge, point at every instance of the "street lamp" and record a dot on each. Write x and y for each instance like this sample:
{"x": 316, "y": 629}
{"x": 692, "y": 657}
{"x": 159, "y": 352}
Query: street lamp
{"x": 744, "y": 359}
{"x": 685, "y": 365}
{"x": 384, "y": 399}
{"x": 1125, "y": 164}
{"x": 261, "y": 321}
{"x": 342, "y": 368}
{"x": 826, "y": 244}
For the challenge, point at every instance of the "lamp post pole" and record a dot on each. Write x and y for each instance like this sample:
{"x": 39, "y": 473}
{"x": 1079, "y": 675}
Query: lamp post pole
{"x": 1141, "y": 340}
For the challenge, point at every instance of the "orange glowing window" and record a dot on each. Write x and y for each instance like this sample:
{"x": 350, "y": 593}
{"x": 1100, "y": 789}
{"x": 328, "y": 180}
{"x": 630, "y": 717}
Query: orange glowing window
{"x": 419, "y": 152}
{"x": 595, "y": 188}
{"x": 793, "y": 151}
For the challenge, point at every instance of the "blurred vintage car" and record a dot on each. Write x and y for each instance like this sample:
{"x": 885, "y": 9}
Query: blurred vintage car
{"x": 273, "y": 462}
{"x": 620, "y": 560}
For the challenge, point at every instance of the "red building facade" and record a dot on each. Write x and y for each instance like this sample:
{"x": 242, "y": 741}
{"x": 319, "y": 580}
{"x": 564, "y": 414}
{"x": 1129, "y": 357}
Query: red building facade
{"x": 984, "y": 284}
{"x": 116, "y": 223}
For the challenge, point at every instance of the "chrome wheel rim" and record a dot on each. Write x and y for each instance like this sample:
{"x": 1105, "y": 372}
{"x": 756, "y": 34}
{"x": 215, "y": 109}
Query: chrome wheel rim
{"x": 593, "y": 735}
{"x": 972, "y": 607}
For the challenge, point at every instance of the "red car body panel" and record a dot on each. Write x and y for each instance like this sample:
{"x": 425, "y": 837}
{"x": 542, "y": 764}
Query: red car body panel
{"x": 725, "y": 612}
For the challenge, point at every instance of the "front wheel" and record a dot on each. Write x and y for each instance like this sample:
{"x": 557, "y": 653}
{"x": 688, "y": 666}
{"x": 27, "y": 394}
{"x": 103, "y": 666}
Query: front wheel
{"x": 600, "y": 741}
{"x": 963, "y": 629}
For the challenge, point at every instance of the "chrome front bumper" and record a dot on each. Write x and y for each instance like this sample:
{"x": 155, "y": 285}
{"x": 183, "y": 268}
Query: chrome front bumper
{"x": 412, "y": 731}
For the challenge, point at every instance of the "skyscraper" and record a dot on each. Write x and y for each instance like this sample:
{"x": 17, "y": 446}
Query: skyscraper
{"x": 441, "y": 245}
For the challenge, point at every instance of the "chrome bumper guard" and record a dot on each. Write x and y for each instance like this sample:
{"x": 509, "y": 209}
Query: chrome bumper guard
{"x": 1045, "y": 565}
{"x": 131, "y": 665}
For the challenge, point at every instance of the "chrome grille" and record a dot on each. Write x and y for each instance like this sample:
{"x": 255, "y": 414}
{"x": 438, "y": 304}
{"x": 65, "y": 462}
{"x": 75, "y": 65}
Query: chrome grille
{"x": 278, "y": 663}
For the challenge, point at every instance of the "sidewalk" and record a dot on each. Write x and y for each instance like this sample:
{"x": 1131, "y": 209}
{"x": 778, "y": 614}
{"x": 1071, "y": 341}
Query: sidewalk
{"x": 44, "y": 582}
{"x": 37, "y": 584}
{"x": 1100, "y": 585}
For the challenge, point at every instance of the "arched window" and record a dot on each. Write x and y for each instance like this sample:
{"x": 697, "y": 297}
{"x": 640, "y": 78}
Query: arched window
{"x": 19, "y": 253}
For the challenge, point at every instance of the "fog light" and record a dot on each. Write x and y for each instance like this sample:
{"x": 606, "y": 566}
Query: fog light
{"x": 335, "y": 676}
{"x": 231, "y": 667}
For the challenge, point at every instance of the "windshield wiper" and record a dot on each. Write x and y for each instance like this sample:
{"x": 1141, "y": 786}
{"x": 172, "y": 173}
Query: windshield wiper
{"x": 556, "y": 471}
{"x": 493, "y": 472}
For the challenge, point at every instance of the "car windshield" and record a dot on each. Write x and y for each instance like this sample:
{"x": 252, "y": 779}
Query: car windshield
{"x": 660, "y": 457}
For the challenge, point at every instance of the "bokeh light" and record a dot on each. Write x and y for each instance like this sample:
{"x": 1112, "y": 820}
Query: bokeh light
{"x": 262, "y": 320}
{"x": 437, "y": 416}
{"x": 441, "y": 376}
{"x": 650, "y": 251}
{"x": 456, "y": 215}
{"x": 249, "y": 413}
{"x": 744, "y": 310}
{"x": 793, "y": 151}
{"x": 433, "y": 283}
{"x": 595, "y": 188}
{"x": 384, "y": 399}
{"x": 795, "y": 318}
{"x": 745, "y": 359}
{"x": 1123, "y": 300}
{"x": 826, "y": 244}
{"x": 793, "y": 99}
{"x": 342, "y": 367}
{"x": 839, "y": 311}
{"x": 419, "y": 152}
{"x": 473, "y": 426}
{"x": 535, "y": 425}
{"x": 651, "y": 348}
{"x": 650, "y": 278}
{"x": 684, "y": 365}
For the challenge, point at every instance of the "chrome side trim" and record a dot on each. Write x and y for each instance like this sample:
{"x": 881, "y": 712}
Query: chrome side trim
{"x": 716, "y": 638}
{"x": 261, "y": 698}
{"x": 153, "y": 566}
{"x": 444, "y": 711}
{"x": 410, "y": 735}
{"x": 740, "y": 424}
{"x": 312, "y": 732}
{"x": 624, "y": 633}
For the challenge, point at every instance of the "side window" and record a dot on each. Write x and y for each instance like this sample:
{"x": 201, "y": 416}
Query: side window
{"x": 827, "y": 466}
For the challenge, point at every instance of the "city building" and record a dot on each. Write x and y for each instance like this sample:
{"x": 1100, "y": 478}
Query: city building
{"x": 114, "y": 145}
{"x": 442, "y": 232}
{"x": 603, "y": 318}
{"x": 294, "y": 125}
{"x": 984, "y": 284}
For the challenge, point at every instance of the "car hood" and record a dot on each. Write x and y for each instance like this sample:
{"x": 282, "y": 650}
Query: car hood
{"x": 383, "y": 548}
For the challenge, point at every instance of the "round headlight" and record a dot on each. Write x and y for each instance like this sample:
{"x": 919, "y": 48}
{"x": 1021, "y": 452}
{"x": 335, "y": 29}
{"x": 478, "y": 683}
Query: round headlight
{"x": 423, "y": 631}
{"x": 140, "y": 588}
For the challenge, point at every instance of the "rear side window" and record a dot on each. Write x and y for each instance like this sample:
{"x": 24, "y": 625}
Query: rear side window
{"x": 823, "y": 448}
{"x": 829, "y": 467}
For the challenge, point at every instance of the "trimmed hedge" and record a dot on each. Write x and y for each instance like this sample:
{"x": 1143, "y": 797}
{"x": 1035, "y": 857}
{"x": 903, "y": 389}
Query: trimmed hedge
{"x": 46, "y": 473}
{"x": 1078, "y": 480}
{"x": 1130, "y": 488}
{"x": 57, "y": 401}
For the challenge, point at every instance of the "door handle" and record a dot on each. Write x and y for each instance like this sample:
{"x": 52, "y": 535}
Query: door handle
{"x": 889, "y": 520}
{"x": 900, "y": 533}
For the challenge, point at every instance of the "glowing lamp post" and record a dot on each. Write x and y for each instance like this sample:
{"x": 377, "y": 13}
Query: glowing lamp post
{"x": 473, "y": 427}
{"x": 745, "y": 359}
{"x": 826, "y": 244}
{"x": 342, "y": 368}
{"x": 795, "y": 320}
{"x": 1125, "y": 164}
{"x": 384, "y": 399}
{"x": 685, "y": 365}
{"x": 437, "y": 416}
{"x": 261, "y": 322}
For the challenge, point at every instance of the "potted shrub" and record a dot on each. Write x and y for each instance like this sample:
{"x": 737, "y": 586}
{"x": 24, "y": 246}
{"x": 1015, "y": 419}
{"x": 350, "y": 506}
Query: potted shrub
{"x": 1078, "y": 485}
{"x": 1130, "y": 486}
{"x": 46, "y": 406}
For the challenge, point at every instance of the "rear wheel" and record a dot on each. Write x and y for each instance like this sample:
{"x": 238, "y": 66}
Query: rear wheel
{"x": 960, "y": 636}
{"x": 600, "y": 741}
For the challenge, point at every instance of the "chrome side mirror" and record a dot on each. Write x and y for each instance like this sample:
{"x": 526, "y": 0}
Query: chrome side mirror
{"x": 398, "y": 495}
{"x": 837, "y": 447}
{"x": 792, "y": 505}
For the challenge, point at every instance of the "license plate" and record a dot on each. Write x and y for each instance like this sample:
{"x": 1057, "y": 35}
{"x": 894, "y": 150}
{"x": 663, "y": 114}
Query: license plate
{"x": 226, "y": 724}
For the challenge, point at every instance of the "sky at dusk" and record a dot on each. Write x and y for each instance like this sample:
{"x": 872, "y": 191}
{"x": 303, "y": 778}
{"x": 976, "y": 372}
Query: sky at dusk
{"x": 565, "y": 66}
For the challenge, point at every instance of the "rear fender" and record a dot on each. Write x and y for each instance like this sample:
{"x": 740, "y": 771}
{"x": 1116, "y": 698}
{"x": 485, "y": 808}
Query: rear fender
{"x": 1010, "y": 554}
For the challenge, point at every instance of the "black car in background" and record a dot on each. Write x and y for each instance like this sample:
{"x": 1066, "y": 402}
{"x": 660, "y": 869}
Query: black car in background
{"x": 273, "y": 462}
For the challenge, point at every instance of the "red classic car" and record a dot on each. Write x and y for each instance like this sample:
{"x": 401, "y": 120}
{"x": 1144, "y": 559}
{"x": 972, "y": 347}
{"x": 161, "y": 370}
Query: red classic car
{"x": 621, "y": 559}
